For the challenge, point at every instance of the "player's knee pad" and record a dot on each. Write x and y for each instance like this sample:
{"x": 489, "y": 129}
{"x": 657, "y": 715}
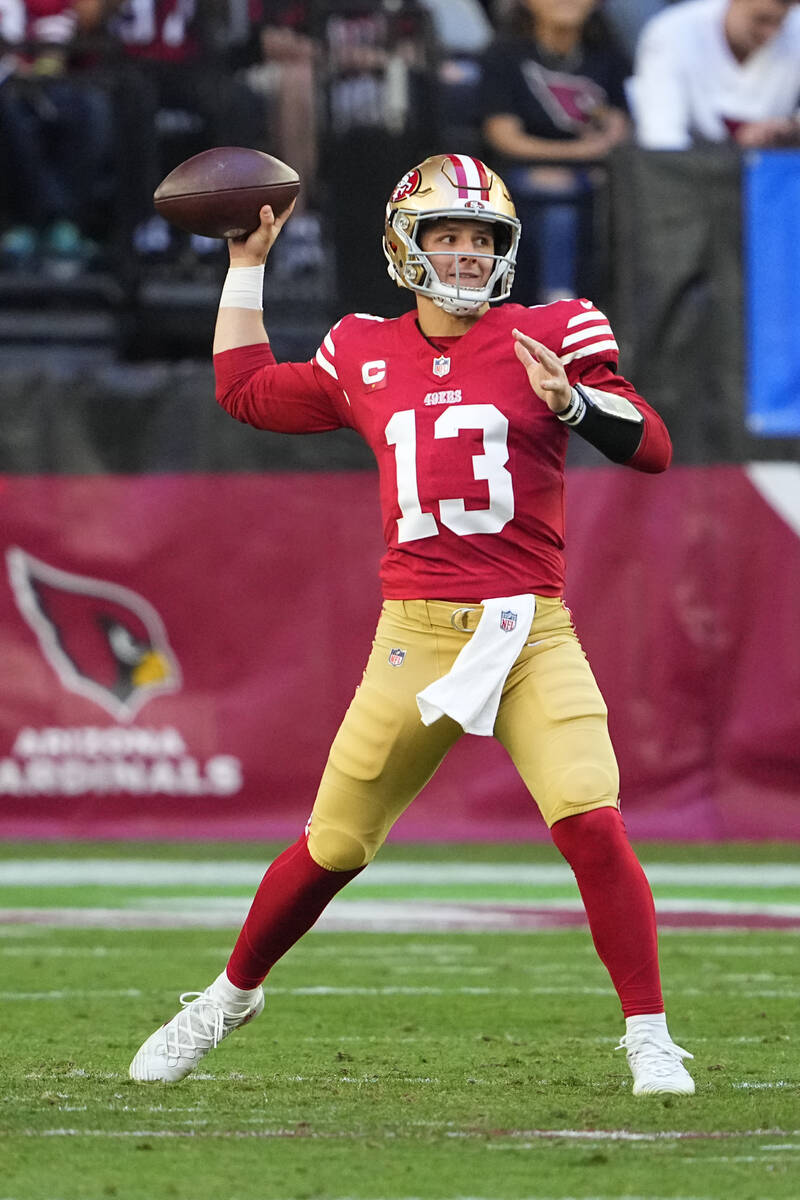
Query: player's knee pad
{"x": 589, "y": 785}
{"x": 584, "y": 783}
{"x": 338, "y": 849}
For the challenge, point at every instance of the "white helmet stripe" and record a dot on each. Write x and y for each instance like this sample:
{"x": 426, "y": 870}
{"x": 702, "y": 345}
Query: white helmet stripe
{"x": 470, "y": 174}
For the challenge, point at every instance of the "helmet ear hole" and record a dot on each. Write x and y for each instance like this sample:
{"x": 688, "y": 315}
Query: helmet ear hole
{"x": 502, "y": 238}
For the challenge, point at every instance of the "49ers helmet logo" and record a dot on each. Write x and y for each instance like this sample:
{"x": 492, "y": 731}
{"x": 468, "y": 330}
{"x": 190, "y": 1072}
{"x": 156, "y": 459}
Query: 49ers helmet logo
{"x": 406, "y": 187}
{"x": 105, "y": 642}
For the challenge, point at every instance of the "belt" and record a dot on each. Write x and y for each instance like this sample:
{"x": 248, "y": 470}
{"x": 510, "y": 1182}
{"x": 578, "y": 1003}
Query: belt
{"x": 461, "y": 617}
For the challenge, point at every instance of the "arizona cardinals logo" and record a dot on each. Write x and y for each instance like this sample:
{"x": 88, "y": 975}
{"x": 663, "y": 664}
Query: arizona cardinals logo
{"x": 104, "y": 641}
{"x": 570, "y": 100}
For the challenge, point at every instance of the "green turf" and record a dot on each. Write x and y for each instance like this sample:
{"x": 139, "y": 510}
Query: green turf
{"x": 391, "y": 1066}
{"x": 151, "y": 894}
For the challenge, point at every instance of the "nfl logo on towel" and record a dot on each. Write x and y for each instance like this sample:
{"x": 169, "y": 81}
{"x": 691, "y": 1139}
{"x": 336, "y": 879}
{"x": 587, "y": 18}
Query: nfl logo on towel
{"x": 508, "y": 620}
{"x": 397, "y": 657}
{"x": 441, "y": 366}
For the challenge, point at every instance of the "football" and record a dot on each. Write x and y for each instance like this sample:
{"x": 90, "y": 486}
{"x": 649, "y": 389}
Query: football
{"x": 219, "y": 193}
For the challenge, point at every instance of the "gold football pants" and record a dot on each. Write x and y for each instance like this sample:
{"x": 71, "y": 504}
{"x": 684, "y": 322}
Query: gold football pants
{"x": 552, "y": 721}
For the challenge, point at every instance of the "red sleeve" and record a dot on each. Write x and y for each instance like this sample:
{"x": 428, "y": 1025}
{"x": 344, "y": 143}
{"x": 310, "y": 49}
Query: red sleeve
{"x": 580, "y": 334}
{"x": 654, "y": 453}
{"x": 283, "y": 397}
{"x": 47, "y": 8}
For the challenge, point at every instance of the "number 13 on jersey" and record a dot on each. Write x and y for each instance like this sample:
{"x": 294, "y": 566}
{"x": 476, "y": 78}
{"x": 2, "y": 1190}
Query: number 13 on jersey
{"x": 414, "y": 523}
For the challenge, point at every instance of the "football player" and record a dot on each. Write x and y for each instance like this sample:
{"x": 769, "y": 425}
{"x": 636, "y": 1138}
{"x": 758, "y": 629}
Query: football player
{"x": 467, "y": 404}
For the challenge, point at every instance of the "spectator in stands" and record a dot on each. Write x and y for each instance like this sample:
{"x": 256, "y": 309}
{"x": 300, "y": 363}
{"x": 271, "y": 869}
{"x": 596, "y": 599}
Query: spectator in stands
{"x": 283, "y": 70}
{"x": 554, "y": 107}
{"x": 177, "y": 97}
{"x": 462, "y": 33}
{"x": 718, "y": 70}
{"x": 55, "y": 135}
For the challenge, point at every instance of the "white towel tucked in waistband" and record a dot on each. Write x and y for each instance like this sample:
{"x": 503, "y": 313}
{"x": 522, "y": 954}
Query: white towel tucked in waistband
{"x": 470, "y": 691}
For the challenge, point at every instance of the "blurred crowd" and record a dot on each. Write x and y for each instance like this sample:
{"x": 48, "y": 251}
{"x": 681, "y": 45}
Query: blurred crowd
{"x": 99, "y": 99}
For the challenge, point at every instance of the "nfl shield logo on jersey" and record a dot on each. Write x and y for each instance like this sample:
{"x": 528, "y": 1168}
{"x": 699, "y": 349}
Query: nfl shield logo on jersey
{"x": 397, "y": 658}
{"x": 441, "y": 366}
{"x": 508, "y": 620}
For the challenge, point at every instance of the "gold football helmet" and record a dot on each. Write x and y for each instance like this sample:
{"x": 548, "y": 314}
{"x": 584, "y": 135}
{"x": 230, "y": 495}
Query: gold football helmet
{"x": 450, "y": 185}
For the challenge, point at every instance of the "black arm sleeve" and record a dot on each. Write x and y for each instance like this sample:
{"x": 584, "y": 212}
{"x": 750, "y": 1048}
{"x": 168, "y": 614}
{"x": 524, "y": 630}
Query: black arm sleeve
{"x": 609, "y": 422}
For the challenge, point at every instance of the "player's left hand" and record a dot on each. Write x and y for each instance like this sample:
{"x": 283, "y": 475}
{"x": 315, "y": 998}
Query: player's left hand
{"x": 546, "y": 374}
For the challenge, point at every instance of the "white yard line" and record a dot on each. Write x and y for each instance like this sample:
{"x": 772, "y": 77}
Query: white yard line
{"x": 510, "y": 1135}
{"x": 75, "y": 993}
{"x": 322, "y": 990}
{"x": 123, "y": 872}
{"x": 61, "y": 951}
{"x": 566, "y": 989}
{"x": 391, "y": 916}
{"x": 347, "y": 908}
{"x": 357, "y": 910}
{"x": 752, "y": 1083}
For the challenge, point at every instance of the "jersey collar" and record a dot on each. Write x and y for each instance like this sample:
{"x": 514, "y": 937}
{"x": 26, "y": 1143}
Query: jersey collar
{"x": 427, "y": 352}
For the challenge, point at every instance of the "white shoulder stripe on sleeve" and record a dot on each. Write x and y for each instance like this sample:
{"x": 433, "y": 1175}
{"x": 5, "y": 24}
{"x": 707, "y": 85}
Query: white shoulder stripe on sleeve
{"x": 592, "y": 348}
{"x": 580, "y": 318}
{"x": 327, "y": 342}
{"x": 368, "y": 317}
{"x": 583, "y": 335}
{"x": 326, "y": 366}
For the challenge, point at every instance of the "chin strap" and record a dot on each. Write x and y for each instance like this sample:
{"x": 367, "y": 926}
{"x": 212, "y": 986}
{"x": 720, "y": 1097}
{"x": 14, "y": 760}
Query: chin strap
{"x": 457, "y": 308}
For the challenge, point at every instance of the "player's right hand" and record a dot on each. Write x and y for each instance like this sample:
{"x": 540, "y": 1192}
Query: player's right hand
{"x": 546, "y": 374}
{"x": 252, "y": 251}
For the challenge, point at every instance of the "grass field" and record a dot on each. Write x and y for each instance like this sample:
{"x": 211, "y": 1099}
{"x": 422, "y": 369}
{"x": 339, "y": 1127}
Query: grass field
{"x": 446, "y": 1034}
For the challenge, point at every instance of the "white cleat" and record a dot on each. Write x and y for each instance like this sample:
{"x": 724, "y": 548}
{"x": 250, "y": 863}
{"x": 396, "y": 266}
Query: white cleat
{"x": 174, "y": 1050}
{"x": 656, "y": 1065}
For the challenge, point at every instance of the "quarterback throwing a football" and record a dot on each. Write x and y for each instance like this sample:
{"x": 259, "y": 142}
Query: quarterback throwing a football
{"x": 467, "y": 408}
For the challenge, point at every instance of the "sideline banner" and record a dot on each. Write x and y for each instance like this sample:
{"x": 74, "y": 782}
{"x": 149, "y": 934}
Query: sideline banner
{"x": 772, "y": 268}
{"x": 178, "y": 652}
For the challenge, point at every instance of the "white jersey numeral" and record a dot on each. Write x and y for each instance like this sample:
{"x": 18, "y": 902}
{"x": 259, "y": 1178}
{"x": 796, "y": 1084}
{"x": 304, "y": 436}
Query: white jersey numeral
{"x": 138, "y": 22}
{"x": 414, "y": 523}
{"x": 401, "y": 432}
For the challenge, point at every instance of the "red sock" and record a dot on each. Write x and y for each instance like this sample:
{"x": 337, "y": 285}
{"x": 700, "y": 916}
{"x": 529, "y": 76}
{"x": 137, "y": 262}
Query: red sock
{"x": 618, "y": 902}
{"x": 289, "y": 900}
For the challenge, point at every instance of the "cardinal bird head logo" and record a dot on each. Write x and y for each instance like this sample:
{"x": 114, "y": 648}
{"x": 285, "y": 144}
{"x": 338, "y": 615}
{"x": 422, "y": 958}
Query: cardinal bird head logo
{"x": 104, "y": 641}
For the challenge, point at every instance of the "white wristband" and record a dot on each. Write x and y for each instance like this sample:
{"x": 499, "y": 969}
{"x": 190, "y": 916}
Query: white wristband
{"x": 243, "y": 288}
{"x": 575, "y": 411}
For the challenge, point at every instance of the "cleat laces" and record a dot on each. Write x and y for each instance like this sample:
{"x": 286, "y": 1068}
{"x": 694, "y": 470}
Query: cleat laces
{"x": 200, "y": 1027}
{"x": 175, "y": 1049}
{"x": 660, "y": 1058}
{"x": 656, "y": 1065}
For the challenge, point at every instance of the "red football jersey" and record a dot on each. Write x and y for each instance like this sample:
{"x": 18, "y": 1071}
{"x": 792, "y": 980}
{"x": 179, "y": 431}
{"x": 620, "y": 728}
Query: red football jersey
{"x": 163, "y": 30}
{"x": 470, "y": 460}
{"x": 51, "y": 21}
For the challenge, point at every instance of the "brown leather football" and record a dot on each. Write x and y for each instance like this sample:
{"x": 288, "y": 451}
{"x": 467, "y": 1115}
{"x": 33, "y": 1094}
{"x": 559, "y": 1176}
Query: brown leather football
{"x": 220, "y": 192}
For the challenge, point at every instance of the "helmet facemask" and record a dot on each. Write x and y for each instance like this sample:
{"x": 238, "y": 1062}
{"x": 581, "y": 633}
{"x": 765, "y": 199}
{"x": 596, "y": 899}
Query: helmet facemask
{"x": 419, "y": 270}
